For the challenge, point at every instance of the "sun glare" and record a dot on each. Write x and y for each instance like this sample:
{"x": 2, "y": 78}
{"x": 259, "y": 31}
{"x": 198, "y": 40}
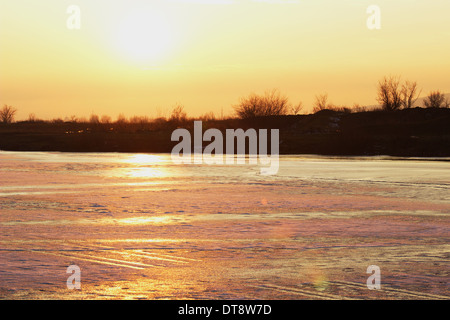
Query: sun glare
{"x": 144, "y": 159}
{"x": 144, "y": 36}
{"x": 144, "y": 166}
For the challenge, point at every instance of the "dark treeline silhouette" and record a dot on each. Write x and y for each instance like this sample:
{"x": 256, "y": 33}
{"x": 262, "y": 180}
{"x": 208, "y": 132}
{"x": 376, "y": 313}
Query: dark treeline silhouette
{"x": 414, "y": 132}
{"x": 392, "y": 94}
{"x": 395, "y": 127}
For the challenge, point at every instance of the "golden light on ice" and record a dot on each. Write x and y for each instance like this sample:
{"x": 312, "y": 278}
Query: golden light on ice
{"x": 144, "y": 159}
{"x": 149, "y": 220}
{"x": 144, "y": 36}
{"x": 146, "y": 172}
{"x": 145, "y": 166}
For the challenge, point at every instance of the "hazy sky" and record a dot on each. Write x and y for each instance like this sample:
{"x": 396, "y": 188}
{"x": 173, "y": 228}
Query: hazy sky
{"x": 142, "y": 57}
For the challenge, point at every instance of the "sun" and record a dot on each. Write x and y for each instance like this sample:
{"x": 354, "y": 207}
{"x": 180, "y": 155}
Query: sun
{"x": 144, "y": 36}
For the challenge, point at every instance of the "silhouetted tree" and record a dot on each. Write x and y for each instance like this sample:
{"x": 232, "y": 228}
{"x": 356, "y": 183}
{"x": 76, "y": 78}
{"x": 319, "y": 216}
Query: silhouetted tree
{"x": 72, "y": 118}
{"x": 389, "y": 93}
{"x": 321, "y": 103}
{"x": 272, "y": 103}
{"x": 7, "y": 114}
{"x": 436, "y": 99}
{"x": 409, "y": 94}
{"x": 94, "y": 119}
{"x": 178, "y": 114}
{"x": 32, "y": 117}
{"x": 297, "y": 108}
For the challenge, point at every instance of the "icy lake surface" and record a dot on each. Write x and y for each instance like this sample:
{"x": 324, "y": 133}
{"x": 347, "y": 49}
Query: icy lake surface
{"x": 141, "y": 227}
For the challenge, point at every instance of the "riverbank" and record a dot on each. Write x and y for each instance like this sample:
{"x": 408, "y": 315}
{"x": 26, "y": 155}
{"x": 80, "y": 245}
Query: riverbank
{"x": 412, "y": 133}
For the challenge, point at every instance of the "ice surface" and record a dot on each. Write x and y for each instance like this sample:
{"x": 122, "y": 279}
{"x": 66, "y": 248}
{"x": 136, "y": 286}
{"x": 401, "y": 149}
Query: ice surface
{"x": 142, "y": 227}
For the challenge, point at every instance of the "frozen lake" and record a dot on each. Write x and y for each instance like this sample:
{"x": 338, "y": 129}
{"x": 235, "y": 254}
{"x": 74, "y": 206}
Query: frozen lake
{"x": 141, "y": 227}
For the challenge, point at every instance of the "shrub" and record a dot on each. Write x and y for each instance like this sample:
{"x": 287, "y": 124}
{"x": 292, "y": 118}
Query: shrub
{"x": 321, "y": 103}
{"x": 7, "y": 114}
{"x": 178, "y": 114}
{"x": 436, "y": 99}
{"x": 272, "y": 103}
{"x": 389, "y": 93}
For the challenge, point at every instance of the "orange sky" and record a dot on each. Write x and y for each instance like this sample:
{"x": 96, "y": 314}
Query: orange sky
{"x": 142, "y": 57}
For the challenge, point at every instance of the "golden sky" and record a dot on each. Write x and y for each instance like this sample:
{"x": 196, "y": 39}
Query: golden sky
{"x": 142, "y": 57}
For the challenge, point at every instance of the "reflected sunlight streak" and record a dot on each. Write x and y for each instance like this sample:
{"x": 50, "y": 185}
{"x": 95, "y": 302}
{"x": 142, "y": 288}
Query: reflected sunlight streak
{"x": 145, "y": 166}
{"x": 149, "y": 220}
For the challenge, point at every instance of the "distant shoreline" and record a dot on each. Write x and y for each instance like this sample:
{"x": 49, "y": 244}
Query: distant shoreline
{"x": 303, "y": 156}
{"x": 414, "y": 132}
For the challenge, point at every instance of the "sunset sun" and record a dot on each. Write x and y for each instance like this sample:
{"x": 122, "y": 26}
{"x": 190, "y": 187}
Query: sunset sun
{"x": 144, "y": 37}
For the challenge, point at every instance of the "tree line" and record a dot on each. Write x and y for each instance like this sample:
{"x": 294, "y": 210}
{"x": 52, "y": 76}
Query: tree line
{"x": 392, "y": 94}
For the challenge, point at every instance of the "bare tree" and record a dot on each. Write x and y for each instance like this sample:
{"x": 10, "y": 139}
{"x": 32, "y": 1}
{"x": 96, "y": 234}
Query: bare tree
{"x": 7, "y": 114}
{"x": 275, "y": 104}
{"x": 436, "y": 99}
{"x": 72, "y": 118}
{"x": 94, "y": 119}
{"x": 272, "y": 103}
{"x": 389, "y": 93}
{"x": 297, "y": 108}
{"x": 32, "y": 117}
{"x": 249, "y": 107}
{"x": 321, "y": 103}
{"x": 409, "y": 94}
{"x": 178, "y": 114}
{"x": 396, "y": 94}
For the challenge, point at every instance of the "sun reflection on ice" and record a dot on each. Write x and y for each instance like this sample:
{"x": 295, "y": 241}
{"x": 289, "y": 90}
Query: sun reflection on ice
{"x": 149, "y": 220}
{"x": 144, "y": 159}
{"x": 145, "y": 166}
